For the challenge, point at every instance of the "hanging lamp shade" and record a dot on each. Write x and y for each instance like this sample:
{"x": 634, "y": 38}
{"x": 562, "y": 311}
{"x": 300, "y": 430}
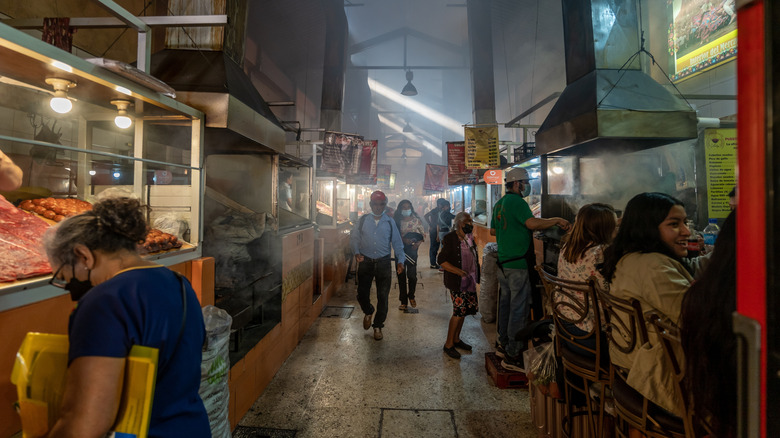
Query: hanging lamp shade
{"x": 409, "y": 88}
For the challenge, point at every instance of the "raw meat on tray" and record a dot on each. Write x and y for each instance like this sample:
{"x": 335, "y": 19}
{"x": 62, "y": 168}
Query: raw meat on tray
{"x": 21, "y": 244}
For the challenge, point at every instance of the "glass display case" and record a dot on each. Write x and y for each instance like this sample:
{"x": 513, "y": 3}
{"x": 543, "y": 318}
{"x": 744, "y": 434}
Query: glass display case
{"x": 294, "y": 192}
{"x": 81, "y": 133}
{"x": 333, "y": 201}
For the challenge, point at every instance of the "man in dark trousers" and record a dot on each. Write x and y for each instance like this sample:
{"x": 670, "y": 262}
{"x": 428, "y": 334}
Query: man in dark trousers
{"x": 432, "y": 217}
{"x": 374, "y": 235}
{"x": 512, "y": 224}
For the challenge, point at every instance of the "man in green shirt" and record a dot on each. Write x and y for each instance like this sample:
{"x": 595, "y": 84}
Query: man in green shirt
{"x": 512, "y": 224}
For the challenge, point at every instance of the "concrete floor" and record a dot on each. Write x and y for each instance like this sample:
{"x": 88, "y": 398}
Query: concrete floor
{"x": 340, "y": 382}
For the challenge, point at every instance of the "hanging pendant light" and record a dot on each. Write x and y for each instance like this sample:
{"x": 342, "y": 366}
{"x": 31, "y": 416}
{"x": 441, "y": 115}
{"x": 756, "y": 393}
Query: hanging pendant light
{"x": 409, "y": 88}
{"x": 60, "y": 102}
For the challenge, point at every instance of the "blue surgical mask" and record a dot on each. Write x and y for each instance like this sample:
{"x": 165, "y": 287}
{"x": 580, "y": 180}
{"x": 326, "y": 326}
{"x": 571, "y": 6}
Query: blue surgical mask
{"x": 526, "y": 189}
{"x": 406, "y": 213}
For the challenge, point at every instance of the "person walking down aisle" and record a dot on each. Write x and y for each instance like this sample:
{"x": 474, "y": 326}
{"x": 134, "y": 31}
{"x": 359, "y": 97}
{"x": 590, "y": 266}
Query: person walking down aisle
{"x": 459, "y": 259}
{"x": 412, "y": 234}
{"x": 433, "y": 220}
{"x": 124, "y": 300}
{"x": 512, "y": 224}
{"x": 374, "y": 235}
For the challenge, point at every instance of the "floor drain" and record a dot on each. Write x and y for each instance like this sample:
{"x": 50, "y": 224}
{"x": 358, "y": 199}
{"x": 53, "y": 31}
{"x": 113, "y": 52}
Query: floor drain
{"x": 262, "y": 432}
{"x": 410, "y": 310}
{"x": 337, "y": 312}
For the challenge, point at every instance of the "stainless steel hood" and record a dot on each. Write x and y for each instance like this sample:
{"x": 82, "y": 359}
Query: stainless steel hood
{"x": 605, "y": 108}
{"x": 211, "y": 82}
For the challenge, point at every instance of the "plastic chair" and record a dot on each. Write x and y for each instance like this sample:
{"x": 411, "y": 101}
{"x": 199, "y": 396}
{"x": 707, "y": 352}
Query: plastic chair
{"x": 582, "y": 365}
{"x": 626, "y": 331}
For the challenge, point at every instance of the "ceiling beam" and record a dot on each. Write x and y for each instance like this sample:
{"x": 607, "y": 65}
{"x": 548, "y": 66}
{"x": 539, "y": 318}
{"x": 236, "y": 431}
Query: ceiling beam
{"x": 400, "y": 33}
{"x": 409, "y": 67}
{"x": 113, "y": 22}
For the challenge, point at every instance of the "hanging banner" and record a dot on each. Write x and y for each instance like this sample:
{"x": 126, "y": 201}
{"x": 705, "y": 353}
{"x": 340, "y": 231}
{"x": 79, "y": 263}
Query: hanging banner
{"x": 383, "y": 176}
{"x": 494, "y": 177}
{"x": 435, "y": 178}
{"x": 339, "y": 152}
{"x": 457, "y": 173}
{"x": 481, "y": 147}
{"x": 364, "y": 164}
{"x": 393, "y": 175}
{"x": 720, "y": 156}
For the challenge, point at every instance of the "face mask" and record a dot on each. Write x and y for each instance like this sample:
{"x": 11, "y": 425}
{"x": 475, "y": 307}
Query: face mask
{"x": 78, "y": 288}
{"x": 406, "y": 213}
{"x": 467, "y": 229}
{"x": 526, "y": 190}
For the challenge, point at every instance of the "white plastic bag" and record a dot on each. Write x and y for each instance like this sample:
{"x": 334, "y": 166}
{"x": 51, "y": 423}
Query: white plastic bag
{"x": 215, "y": 369}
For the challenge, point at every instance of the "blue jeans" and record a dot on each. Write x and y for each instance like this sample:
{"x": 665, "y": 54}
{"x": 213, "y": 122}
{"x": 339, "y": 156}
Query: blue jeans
{"x": 434, "y": 247}
{"x": 367, "y": 271}
{"x": 514, "y": 307}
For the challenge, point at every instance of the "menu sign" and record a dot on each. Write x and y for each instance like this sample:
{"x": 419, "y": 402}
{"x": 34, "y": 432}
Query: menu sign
{"x": 481, "y": 147}
{"x": 435, "y": 178}
{"x": 720, "y": 155}
{"x": 457, "y": 173}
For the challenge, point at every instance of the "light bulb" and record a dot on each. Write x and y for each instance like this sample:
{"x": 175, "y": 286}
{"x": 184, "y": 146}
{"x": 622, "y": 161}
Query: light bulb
{"x": 61, "y": 105}
{"x": 123, "y": 122}
{"x": 93, "y": 172}
{"x": 117, "y": 174}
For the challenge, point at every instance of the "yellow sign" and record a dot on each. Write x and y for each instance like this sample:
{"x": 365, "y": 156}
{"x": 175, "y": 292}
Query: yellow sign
{"x": 481, "y": 147}
{"x": 720, "y": 155}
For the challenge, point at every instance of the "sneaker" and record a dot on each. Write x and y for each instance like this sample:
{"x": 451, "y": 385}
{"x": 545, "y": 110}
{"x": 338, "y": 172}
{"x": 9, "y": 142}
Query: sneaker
{"x": 513, "y": 364}
{"x": 462, "y": 345}
{"x": 452, "y": 352}
{"x": 500, "y": 352}
{"x": 413, "y": 302}
{"x": 434, "y": 267}
{"x": 367, "y": 321}
{"x": 377, "y": 333}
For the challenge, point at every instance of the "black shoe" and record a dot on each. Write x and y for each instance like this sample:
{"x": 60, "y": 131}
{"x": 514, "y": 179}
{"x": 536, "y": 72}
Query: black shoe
{"x": 462, "y": 345}
{"x": 500, "y": 352}
{"x": 513, "y": 364}
{"x": 435, "y": 266}
{"x": 452, "y": 352}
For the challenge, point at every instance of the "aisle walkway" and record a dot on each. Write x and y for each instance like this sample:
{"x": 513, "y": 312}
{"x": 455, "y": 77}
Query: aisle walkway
{"x": 340, "y": 382}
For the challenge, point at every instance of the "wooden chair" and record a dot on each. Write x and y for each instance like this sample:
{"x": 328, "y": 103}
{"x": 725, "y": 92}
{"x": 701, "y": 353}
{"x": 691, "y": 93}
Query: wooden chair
{"x": 626, "y": 331}
{"x": 582, "y": 365}
{"x": 669, "y": 336}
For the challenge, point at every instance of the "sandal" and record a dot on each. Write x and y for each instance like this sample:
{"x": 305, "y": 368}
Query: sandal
{"x": 413, "y": 303}
{"x": 402, "y": 307}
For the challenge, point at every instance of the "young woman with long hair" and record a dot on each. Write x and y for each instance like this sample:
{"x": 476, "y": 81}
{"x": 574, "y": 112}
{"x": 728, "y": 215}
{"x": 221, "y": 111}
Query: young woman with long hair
{"x": 646, "y": 262}
{"x": 583, "y": 250}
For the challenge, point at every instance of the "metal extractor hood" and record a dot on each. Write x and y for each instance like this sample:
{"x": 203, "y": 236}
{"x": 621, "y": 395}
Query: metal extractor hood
{"x": 605, "y": 108}
{"x": 213, "y": 83}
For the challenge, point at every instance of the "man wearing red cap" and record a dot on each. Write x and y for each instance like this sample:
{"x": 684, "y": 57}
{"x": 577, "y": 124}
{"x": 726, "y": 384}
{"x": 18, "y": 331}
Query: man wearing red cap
{"x": 372, "y": 239}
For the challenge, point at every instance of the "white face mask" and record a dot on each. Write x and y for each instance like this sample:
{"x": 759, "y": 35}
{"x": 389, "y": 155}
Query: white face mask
{"x": 406, "y": 213}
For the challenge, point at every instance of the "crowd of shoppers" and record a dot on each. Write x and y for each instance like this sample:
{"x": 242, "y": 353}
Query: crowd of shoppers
{"x": 642, "y": 256}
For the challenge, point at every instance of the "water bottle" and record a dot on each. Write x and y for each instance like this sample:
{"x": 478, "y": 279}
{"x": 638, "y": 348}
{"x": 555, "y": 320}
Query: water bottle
{"x": 710, "y": 233}
{"x": 693, "y": 241}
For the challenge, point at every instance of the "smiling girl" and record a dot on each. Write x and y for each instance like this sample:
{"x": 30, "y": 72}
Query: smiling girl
{"x": 645, "y": 262}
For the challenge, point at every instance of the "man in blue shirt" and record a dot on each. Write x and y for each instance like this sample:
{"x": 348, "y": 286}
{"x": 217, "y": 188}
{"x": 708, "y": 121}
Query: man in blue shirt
{"x": 372, "y": 239}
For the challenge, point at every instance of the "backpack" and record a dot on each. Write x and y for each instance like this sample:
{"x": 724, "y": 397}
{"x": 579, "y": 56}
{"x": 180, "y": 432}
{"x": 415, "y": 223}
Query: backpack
{"x": 362, "y": 220}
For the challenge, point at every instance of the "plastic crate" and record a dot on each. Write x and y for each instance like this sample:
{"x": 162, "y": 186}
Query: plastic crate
{"x": 502, "y": 377}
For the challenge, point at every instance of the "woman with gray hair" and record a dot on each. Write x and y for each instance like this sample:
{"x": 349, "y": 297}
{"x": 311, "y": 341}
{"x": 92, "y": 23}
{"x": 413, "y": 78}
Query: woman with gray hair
{"x": 460, "y": 261}
{"x": 124, "y": 300}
